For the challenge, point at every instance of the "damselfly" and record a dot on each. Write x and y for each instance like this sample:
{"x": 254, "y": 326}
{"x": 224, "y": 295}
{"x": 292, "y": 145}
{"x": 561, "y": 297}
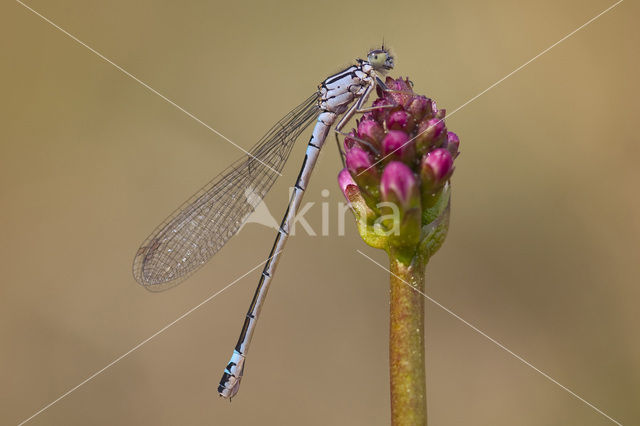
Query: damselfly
{"x": 199, "y": 228}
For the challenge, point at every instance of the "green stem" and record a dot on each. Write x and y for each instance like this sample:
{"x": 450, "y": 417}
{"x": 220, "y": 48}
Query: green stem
{"x": 406, "y": 344}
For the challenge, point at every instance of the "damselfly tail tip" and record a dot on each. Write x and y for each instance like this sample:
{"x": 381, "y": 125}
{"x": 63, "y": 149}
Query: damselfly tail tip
{"x": 230, "y": 381}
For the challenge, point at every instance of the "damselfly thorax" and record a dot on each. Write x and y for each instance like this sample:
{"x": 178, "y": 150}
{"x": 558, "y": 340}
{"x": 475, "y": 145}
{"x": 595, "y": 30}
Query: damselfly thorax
{"x": 200, "y": 227}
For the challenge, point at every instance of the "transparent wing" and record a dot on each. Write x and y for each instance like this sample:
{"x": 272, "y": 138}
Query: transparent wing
{"x": 192, "y": 234}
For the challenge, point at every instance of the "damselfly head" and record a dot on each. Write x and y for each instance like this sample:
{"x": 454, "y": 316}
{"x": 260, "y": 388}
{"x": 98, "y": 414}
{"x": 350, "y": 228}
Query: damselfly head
{"x": 380, "y": 59}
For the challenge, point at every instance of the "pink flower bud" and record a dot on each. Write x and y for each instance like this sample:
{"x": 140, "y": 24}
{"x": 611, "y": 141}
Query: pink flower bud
{"x": 394, "y": 141}
{"x": 352, "y": 193}
{"x": 436, "y": 168}
{"x": 345, "y": 181}
{"x": 380, "y": 114}
{"x": 400, "y": 91}
{"x": 453, "y": 144}
{"x": 398, "y": 120}
{"x": 419, "y": 107}
{"x": 358, "y": 159}
{"x": 398, "y": 84}
{"x": 399, "y": 184}
{"x": 436, "y": 126}
{"x": 429, "y": 135}
{"x": 396, "y": 144}
{"x": 349, "y": 142}
{"x": 371, "y": 131}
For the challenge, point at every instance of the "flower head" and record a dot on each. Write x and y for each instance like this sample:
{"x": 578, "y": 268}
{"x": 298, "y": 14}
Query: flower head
{"x": 399, "y": 162}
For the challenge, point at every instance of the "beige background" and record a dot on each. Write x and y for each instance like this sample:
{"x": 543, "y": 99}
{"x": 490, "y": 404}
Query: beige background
{"x": 542, "y": 254}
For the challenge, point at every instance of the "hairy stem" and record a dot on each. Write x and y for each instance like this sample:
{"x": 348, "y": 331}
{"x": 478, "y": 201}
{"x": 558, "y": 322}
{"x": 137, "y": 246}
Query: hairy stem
{"x": 406, "y": 345}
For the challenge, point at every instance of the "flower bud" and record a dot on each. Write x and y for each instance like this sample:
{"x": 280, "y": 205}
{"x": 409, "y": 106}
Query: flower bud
{"x": 419, "y": 107}
{"x": 430, "y": 135}
{"x": 365, "y": 175}
{"x": 399, "y": 120}
{"x": 380, "y": 114}
{"x": 353, "y": 140}
{"x": 435, "y": 169}
{"x": 357, "y": 159}
{"x": 346, "y": 182}
{"x": 399, "y": 185}
{"x": 453, "y": 143}
{"x": 400, "y": 91}
{"x": 397, "y": 146}
{"x": 349, "y": 142}
{"x": 371, "y": 131}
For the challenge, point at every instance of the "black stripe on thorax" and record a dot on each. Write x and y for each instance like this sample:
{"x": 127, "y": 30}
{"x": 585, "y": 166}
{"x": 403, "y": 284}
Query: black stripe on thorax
{"x": 351, "y": 71}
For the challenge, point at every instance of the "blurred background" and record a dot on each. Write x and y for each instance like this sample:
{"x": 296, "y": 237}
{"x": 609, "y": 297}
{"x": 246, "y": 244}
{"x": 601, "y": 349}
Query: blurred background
{"x": 543, "y": 251}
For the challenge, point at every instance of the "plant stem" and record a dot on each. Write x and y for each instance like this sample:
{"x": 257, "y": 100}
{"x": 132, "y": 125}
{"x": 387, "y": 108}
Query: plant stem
{"x": 406, "y": 344}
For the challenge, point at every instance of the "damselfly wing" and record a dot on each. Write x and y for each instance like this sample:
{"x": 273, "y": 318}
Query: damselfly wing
{"x": 192, "y": 234}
